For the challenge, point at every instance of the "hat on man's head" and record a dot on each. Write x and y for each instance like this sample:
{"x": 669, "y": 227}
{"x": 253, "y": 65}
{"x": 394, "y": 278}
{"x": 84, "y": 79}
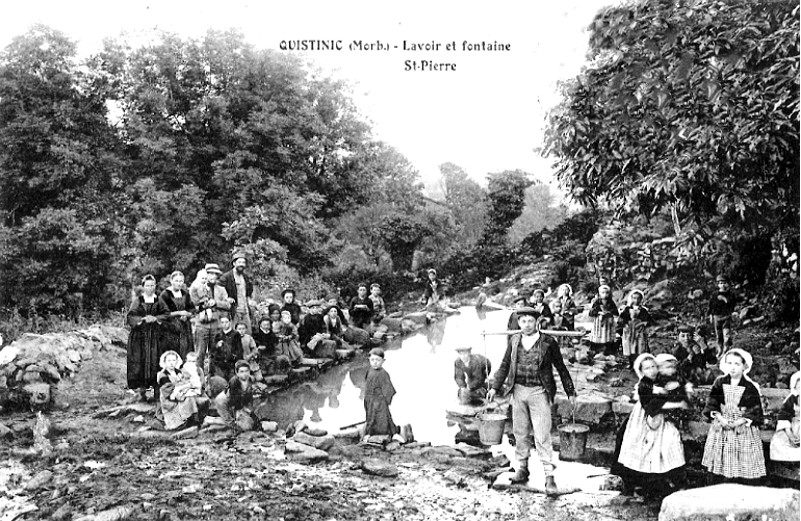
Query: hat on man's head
{"x": 377, "y": 351}
{"x": 213, "y": 268}
{"x": 684, "y": 328}
{"x": 241, "y": 363}
{"x": 526, "y": 311}
{"x": 461, "y": 348}
{"x": 538, "y": 291}
{"x": 314, "y": 303}
{"x": 432, "y": 270}
{"x": 238, "y": 255}
{"x": 721, "y": 278}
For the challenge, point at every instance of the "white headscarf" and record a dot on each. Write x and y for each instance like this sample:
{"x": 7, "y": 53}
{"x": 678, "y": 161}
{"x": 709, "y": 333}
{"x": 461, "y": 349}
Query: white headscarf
{"x": 630, "y": 300}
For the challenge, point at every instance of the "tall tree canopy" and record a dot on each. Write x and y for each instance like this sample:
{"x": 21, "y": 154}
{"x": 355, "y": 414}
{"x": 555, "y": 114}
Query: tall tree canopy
{"x": 169, "y": 155}
{"x": 59, "y": 172}
{"x": 691, "y": 106}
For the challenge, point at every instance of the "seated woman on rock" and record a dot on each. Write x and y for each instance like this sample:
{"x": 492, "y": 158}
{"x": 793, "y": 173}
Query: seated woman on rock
{"x": 179, "y": 406}
{"x": 786, "y": 442}
{"x": 326, "y": 333}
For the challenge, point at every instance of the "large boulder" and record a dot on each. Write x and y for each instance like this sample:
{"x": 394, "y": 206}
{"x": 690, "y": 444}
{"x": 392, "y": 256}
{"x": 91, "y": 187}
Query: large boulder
{"x": 730, "y": 502}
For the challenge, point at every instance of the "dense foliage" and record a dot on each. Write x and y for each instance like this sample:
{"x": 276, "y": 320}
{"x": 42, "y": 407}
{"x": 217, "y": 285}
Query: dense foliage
{"x": 170, "y": 155}
{"x": 689, "y": 107}
{"x": 688, "y": 111}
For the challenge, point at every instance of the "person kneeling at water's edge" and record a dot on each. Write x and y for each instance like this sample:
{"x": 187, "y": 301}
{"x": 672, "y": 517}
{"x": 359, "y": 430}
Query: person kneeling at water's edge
{"x": 471, "y": 373}
{"x": 527, "y": 371}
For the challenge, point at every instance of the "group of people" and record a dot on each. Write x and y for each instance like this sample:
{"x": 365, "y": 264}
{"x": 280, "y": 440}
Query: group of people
{"x": 211, "y": 329}
{"x": 624, "y": 331}
{"x": 649, "y": 450}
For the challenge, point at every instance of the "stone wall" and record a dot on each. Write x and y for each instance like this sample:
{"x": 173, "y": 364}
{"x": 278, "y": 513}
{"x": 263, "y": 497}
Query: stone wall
{"x": 32, "y": 366}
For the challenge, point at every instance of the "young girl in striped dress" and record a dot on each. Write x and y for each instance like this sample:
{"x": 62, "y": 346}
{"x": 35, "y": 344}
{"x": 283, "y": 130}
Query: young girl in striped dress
{"x": 604, "y": 310}
{"x": 733, "y": 447}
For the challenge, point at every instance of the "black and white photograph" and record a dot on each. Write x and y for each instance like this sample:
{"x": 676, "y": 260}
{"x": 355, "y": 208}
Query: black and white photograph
{"x": 414, "y": 261}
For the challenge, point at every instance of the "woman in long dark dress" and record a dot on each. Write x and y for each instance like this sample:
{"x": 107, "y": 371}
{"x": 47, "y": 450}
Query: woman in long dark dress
{"x": 145, "y": 317}
{"x": 178, "y": 329}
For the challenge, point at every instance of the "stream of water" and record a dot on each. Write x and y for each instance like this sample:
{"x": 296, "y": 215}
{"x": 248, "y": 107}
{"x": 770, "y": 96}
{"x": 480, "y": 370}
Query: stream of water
{"x": 421, "y": 368}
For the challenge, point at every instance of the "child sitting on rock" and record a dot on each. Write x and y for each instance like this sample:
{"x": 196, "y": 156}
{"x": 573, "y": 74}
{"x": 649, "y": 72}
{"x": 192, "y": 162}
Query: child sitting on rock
{"x": 236, "y": 402}
{"x": 677, "y": 390}
{"x": 286, "y": 333}
{"x": 786, "y": 442}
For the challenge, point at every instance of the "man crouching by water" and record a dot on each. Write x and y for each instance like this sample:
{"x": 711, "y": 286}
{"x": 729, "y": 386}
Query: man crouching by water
{"x": 528, "y": 375}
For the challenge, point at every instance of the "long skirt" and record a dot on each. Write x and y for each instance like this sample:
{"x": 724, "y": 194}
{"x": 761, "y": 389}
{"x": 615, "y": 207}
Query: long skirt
{"x": 177, "y": 413}
{"x": 650, "y": 445}
{"x": 178, "y": 337}
{"x": 603, "y": 330}
{"x": 635, "y": 338}
{"x": 144, "y": 350}
{"x": 290, "y": 349}
{"x": 781, "y": 448}
{"x": 734, "y": 453}
{"x": 379, "y": 419}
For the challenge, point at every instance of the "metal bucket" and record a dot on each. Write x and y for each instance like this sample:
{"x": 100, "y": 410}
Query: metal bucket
{"x": 572, "y": 441}
{"x": 490, "y": 428}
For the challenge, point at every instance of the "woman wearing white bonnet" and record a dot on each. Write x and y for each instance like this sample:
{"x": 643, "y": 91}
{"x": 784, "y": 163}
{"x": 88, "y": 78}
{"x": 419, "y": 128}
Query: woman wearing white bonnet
{"x": 785, "y": 443}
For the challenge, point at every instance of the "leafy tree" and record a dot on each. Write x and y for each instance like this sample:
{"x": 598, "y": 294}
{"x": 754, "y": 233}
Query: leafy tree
{"x": 467, "y": 201}
{"x": 687, "y": 107}
{"x": 402, "y": 234}
{"x": 539, "y": 212}
{"x": 506, "y": 202}
{"x": 60, "y": 171}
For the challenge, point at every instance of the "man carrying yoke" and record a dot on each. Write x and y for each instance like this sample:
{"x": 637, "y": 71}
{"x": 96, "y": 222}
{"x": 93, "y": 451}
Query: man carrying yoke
{"x": 527, "y": 370}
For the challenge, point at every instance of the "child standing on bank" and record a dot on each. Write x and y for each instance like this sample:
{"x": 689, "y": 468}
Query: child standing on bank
{"x": 733, "y": 447}
{"x": 568, "y": 309}
{"x": 603, "y": 310}
{"x": 721, "y": 307}
{"x": 378, "y": 394}
{"x": 632, "y": 326}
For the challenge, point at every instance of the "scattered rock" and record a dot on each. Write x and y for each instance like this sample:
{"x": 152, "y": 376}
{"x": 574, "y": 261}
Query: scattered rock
{"x": 39, "y": 480}
{"x": 5, "y": 432}
{"x": 392, "y": 446}
{"x": 316, "y": 431}
{"x": 730, "y": 501}
{"x": 470, "y": 451}
{"x": 612, "y": 482}
{"x": 622, "y": 407}
{"x": 318, "y": 442}
{"x": 590, "y": 408}
{"x": 268, "y": 426}
{"x": 379, "y": 468}
{"x": 301, "y": 452}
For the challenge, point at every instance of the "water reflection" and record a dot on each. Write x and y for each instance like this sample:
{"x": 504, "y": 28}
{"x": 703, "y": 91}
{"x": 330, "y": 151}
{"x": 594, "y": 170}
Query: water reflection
{"x": 421, "y": 368}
